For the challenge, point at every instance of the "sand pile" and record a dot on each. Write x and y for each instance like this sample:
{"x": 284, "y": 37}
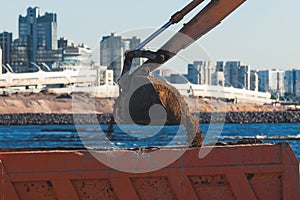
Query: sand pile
{"x": 62, "y": 103}
{"x": 53, "y": 103}
{"x": 178, "y": 110}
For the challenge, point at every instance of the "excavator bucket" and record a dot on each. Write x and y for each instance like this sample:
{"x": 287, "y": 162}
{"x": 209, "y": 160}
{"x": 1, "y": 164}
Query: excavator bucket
{"x": 149, "y": 101}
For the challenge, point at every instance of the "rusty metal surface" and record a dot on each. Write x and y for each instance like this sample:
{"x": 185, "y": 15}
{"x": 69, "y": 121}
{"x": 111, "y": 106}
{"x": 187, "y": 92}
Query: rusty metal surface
{"x": 233, "y": 172}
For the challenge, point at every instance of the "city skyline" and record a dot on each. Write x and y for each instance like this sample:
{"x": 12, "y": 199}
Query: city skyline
{"x": 261, "y": 34}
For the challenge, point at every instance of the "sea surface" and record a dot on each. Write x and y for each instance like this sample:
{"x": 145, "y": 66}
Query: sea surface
{"x": 126, "y": 136}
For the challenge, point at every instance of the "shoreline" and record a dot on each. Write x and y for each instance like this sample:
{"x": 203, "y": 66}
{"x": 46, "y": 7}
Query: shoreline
{"x": 204, "y": 118}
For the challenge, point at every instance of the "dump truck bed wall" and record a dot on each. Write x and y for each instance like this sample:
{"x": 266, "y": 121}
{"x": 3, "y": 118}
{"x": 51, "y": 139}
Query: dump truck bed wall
{"x": 231, "y": 172}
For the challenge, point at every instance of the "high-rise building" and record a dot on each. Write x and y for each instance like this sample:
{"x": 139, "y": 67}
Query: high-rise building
{"x": 220, "y": 66}
{"x": 207, "y": 72}
{"x": 253, "y": 80}
{"x": 272, "y": 81}
{"x": 237, "y": 75}
{"x": 276, "y": 81}
{"x": 5, "y": 44}
{"x": 19, "y": 56}
{"x": 37, "y": 42}
{"x": 289, "y": 82}
{"x": 0, "y": 61}
{"x": 292, "y": 82}
{"x": 193, "y": 74}
{"x": 112, "y": 49}
{"x": 296, "y": 83}
{"x": 219, "y": 76}
{"x": 231, "y": 74}
{"x": 38, "y": 31}
{"x": 202, "y": 72}
{"x": 228, "y": 74}
{"x": 244, "y": 77}
{"x": 263, "y": 80}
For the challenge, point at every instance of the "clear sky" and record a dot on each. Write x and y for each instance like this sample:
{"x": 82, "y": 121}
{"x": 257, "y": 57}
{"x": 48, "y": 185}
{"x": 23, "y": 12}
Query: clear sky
{"x": 261, "y": 33}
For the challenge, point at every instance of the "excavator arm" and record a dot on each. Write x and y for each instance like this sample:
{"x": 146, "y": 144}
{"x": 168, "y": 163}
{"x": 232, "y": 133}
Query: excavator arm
{"x": 207, "y": 19}
{"x": 140, "y": 93}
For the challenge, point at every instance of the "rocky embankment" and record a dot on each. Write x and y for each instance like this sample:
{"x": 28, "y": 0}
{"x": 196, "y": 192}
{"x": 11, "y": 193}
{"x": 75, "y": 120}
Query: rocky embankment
{"x": 206, "y": 117}
{"x": 250, "y": 117}
{"x": 50, "y": 108}
{"x": 53, "y": 119}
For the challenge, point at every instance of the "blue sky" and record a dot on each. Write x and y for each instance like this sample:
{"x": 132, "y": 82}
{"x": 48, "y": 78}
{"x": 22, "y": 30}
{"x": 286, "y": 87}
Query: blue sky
{"x": 261, "y": 33}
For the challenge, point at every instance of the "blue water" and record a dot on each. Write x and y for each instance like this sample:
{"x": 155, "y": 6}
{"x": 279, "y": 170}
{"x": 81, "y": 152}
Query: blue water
{"x": 93, "y": 136}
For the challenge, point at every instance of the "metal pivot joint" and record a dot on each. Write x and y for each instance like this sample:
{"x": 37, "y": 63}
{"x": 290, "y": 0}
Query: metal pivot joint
{"x": 155, "y": 57}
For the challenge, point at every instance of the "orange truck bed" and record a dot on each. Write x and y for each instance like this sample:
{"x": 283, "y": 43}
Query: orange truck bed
{"x": 262, "y": 171}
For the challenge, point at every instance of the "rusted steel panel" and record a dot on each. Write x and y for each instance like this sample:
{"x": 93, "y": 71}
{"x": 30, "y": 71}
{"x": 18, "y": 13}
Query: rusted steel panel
{"x": 288, "y": 174}
{"x": 119, "y": 182}
{"x": 7, "y": 190}
{"x": 153, "y": 188}
{"x": 35, "y": 190}
{"x": 182, "y": 187}
{"x": 266, "y": 186}
{"x": 63, "y": 185}
{"x": 212, "y": 187}
{"x": 238, "y": 182}
{"x": 233, "y": 172}
{"x": 94, "y": 189}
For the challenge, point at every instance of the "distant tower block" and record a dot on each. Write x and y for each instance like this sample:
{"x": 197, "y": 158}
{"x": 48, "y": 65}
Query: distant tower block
{"x": 0, "y": 61}
{"x": 112, "y": 49}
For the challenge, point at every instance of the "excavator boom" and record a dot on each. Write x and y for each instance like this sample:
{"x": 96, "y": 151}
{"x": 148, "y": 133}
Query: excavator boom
{"x": 203, "y": 22}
